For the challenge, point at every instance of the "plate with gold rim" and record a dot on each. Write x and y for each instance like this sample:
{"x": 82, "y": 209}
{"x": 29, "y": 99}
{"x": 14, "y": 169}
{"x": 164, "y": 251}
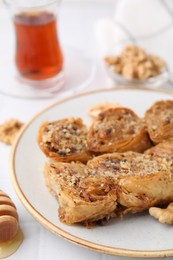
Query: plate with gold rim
{"x": 137, "y": 235}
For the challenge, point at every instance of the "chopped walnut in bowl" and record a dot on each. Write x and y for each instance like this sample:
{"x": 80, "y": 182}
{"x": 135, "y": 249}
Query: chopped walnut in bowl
{"x": 134, "y": 66}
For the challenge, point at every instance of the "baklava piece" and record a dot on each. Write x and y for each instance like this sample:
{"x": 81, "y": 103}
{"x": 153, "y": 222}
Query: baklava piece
{"x": 117, "y": 130}
{"x": 109, "y": 186}
{"x": 159, "y": 120}
{"x": 142, "y": 181}
{"x": 64, "y": 140}
{"x": 83, "y": 197}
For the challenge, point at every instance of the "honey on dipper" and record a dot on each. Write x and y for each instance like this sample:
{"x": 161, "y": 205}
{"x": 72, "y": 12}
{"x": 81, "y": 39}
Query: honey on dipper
{"x": 10, "y": 234}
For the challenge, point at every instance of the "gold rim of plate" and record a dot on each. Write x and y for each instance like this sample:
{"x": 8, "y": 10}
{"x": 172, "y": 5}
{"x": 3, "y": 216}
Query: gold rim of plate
{"x": 55, "y": 229}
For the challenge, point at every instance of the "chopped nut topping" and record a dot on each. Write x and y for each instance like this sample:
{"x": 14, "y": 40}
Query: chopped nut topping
{"x": 135, "y": 63}
{"x": 128, "y": 164}
{"x": 159, "y": 120}
{"x": 113, "y": 125}
{"x": 82, "y": 181}
{"x": 163, "y": 150}
{"x": 65, "y": 136}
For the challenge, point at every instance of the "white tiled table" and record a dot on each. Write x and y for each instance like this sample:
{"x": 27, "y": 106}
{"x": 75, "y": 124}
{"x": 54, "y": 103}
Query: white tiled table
{"x": 76, "y": 28}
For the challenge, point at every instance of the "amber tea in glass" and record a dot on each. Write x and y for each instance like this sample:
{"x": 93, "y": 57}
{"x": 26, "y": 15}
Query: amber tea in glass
{"x": 38, "y": 54}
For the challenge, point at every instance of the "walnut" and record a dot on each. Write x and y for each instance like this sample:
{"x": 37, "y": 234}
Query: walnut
{"x": 113, "y": 60}
{"x": 9, "y": 130}
{"x": 117, "y": 68}
{"x": 163, "y": 215}
{"x": 135, "y": 63}
{"x": 129, "y": 71}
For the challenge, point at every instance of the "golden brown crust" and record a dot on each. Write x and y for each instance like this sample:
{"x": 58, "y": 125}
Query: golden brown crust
{"x": 117, "y": 129}
{"x": 109, "y": 185}
{"x": 64, "y": 140}
{"x": 163, "y": 150}
{"x": 81, "y": 197}
{"x": 159, "y": 120}
{"x": 120, "y": 181}
{"x": 143, "y": 181}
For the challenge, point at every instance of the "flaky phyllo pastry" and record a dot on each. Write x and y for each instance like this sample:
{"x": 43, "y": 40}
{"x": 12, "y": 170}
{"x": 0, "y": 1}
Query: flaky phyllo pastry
{"x": 163, "y": 150}
{"x": 64, "y": 140}
{"x": 118, "y": 129}
{"x": 82, "y": 198}
{"x": 159, "y": 120}
{"x": 109, "y": 185}
{"x": 120, "y": 164}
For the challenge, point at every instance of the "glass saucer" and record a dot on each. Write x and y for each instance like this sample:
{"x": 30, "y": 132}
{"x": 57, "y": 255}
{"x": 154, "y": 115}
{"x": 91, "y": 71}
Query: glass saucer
{"x": 78, "y": 72}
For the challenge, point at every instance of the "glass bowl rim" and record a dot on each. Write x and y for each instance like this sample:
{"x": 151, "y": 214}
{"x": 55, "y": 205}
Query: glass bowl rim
{"x": 14, "y": 4}
{"x": 162, "y": 77}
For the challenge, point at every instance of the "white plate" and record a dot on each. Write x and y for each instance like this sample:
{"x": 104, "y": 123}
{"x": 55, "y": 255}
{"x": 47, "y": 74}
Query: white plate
{"x": 136, "y": 235}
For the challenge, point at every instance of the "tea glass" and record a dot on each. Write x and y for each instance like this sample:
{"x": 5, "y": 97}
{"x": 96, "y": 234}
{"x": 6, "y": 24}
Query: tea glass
{"x": 38, "y": 53}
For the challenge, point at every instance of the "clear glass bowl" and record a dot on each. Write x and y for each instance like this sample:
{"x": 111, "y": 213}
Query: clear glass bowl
{"x": 153, "y": 82}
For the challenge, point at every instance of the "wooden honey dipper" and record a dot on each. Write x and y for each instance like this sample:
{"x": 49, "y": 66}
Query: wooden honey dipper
{"x": 8, "y": 218}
